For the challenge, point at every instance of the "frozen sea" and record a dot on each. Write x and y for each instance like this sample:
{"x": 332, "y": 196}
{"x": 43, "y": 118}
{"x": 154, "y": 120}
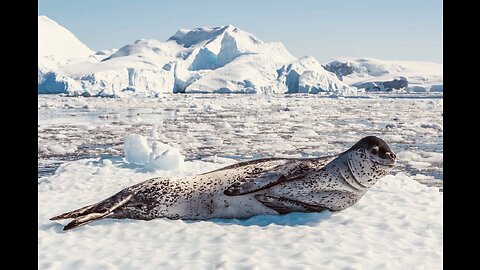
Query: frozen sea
{"x": 397, "y": 224}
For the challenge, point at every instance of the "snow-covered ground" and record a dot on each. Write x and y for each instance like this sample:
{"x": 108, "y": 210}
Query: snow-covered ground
{"x": 397, "y": 224}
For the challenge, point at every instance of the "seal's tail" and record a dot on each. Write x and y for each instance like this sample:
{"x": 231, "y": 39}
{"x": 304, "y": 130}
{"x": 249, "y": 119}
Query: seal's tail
{"x": 74, "y": 213}
{"x": 93, "y": 212}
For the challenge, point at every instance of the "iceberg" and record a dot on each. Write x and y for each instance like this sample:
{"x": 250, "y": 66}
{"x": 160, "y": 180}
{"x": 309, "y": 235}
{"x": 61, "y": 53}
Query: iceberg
{"x": 222, "y": 59}
{"x": 370, "y": 74}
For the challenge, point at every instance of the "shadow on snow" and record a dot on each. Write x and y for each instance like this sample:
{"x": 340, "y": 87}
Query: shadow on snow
{"x": 291, "y": 219}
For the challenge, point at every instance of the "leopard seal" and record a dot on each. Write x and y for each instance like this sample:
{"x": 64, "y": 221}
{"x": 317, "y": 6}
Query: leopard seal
{"x": 262, "y": 186}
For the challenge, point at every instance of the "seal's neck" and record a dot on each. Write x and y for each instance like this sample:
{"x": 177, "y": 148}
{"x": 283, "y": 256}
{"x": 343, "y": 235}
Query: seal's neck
{"x": 363, "y": 169}
{"x": 358, "y": 171}
{"x": 353, "y": 180}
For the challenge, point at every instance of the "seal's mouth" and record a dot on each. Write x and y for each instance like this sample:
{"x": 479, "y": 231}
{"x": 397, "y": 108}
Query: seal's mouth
{"x": 388, "y": 164}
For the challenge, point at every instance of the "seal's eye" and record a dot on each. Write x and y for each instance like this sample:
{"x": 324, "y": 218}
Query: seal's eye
{"x": 374, "y": 150}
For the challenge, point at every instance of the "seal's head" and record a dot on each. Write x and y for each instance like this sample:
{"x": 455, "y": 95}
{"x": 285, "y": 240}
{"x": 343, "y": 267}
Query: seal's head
{"x": 376, "y": 150}
{"x": 369, "y": 160}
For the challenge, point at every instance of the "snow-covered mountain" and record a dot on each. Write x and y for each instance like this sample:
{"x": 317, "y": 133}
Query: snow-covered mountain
{"x": 210, "y": 59}
{"x": 56, "y": 45}
{"x": 380, "y": 75}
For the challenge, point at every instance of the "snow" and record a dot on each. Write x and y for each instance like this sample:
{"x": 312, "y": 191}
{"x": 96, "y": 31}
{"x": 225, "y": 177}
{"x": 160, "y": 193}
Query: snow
{"x": 221, "y": 59}
{"x": 397, "y": 224}
{"x": 372, "y": 74}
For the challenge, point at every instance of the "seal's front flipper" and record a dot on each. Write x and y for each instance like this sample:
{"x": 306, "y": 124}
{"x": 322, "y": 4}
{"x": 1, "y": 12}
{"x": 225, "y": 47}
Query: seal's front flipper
{"x": 249, "y": 185}
{"x": 285, "y": 206}
{"x": 255, "y": 182}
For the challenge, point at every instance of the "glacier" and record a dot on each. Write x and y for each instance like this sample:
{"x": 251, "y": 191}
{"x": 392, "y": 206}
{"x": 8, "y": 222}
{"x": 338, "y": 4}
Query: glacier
{"x": 221, "y": 59}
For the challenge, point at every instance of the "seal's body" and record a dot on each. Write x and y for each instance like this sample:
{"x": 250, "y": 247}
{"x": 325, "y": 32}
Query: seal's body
{"x": 245, "y": 189}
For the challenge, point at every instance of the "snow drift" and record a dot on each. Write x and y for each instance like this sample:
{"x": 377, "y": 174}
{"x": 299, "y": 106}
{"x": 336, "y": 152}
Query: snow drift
{"x": 379, "y": 75}
{"x": 222, "y": 59}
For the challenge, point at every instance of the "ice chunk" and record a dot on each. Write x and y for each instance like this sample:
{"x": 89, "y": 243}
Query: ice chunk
{"x": 154, "y": 134}
{"x": 170, "y": 159}
{"x": 159, "y": 156}
{"x": 136, "y": 149}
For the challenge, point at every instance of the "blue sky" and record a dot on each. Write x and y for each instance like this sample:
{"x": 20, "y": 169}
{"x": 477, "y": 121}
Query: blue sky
{"x": 385, "y": 29}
